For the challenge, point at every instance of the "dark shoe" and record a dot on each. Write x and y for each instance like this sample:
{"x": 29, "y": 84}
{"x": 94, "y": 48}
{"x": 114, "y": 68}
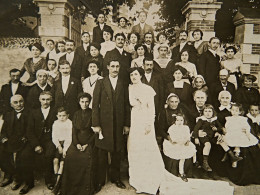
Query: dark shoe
{"x": 234, "y": 158}
{"x": 206, "y": 166}
{"x": 119, "y": 184}
{"x": 50, "y": 186}
{"x": 26, "y": 189}
{"x": 183, "y": 177}
{"x": 225, "y": 157}
{"x": 6, "y": 182}
{"x": 197, "y": 165}
{"x": 15, "y": 185}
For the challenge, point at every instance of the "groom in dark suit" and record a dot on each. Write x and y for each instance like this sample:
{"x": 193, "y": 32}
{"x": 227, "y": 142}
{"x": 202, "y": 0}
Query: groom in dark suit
{"x": 65, "y": 91}
{"x": 110, "y": 120}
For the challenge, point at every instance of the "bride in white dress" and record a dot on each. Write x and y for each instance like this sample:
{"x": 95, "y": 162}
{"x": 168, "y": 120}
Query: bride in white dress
{"x": 146, "y": 167}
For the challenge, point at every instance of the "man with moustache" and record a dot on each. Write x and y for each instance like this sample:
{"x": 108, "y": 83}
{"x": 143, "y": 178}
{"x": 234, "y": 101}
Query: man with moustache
{"x": 209, "y": 62}
{"x": 110, "y": 120}
{"x": 40, "y": 86}
{"x": 15, "y": 158}
{"x": 65, "y": 90}
{"x": 73, "y": 58}
{"x": 39, "y": 132}
{"x": 184, "y": 45}
{"x": 142, "y": 27}
{"x": 124, "y": 58}
{"x": 12, "y": 88}
{"x": 149, "y": 43}
{"x": 221, "y": 85}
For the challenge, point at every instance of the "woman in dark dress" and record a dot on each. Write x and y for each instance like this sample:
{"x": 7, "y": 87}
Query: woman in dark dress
{"x": 166, "y": 119}
{"x": 248, "y": 169}
{"x": 247, "y": 94}
{"x": 78, "y": 166}
{"x": 179, "y": 87}
{"x": 32, "y": 65}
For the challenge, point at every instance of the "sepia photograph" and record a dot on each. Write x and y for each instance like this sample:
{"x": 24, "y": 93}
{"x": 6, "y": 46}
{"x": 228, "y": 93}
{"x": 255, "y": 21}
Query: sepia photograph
{"x": 126, "y": 97}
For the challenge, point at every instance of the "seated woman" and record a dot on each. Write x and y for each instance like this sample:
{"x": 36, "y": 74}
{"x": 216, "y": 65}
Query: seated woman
{"x": 166, "y": 119}
{"x": 78, "y": 165}
{"x": 247, "y": 94}
{"x": 108, "y": 44}
{"x": 190, "y": 67}
{"x": 141, "y": 51}
{"x": 179, "y": 87}
{"x": 32, "y": 65}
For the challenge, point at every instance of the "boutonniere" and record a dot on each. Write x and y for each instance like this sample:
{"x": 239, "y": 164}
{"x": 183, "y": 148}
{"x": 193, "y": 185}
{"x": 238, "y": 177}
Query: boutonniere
{"x": 72, "y": 82}
{"x": 125, "y": 54}
{"x": 189, "y": 43}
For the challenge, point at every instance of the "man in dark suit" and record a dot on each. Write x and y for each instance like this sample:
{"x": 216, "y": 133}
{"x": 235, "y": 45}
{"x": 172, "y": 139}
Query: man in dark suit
{"x": 83, "y": 50}
{"x": 73, "y": 58}
{"x": 209, "y": 62}
{"x": 39, "y": 132}
{"x": 142, "y": 27}
{"x": 110, "y": 119}
{"x": 40, "y": 86}
{"x": 12, "y": 88}
{"x": 98, "y": 30}
{"x": 121, "y": 55}
{"x": 15, "y": 158}
{"x": 184, "y": 46}
{"x": 221, "y": 85}
{"x": 66, "y": 89}
{"x": 149, "y": 43}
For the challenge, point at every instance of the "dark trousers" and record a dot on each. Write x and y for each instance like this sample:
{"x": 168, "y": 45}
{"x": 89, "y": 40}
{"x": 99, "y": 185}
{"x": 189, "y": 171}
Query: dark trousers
{"x": 102, "y": 166}
{"x": 20, "y": 168}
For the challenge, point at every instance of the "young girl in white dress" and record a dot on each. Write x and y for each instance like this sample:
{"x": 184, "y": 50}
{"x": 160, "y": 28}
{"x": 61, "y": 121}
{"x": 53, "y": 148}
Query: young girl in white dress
{"x": 238, "y": 131}
{"x": 89, "y": 83}
{"x": 180, "y": 147}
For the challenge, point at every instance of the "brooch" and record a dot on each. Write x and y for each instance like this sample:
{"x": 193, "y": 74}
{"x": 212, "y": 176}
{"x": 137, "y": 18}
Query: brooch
{"x": 72, "y": 82}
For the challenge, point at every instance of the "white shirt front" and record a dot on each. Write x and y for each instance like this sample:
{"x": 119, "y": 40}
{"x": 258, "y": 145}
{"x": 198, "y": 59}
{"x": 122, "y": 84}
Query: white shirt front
{"x": 14, "y": 87}
{"x": 113, "y": 81}
{"x": 213, "y": 52}
{"x": 148, "y": 76}
{"x": 142, "y": 25}
{"x": 65, "y": 83}
{"x": 101, "y": 26}
{"x": 178, "y": 84}
{"x": 120, "y": 50}
{"x": 45, "y": 112}
{"x": 182, "y": 45}
{"x": 70, "y": 57}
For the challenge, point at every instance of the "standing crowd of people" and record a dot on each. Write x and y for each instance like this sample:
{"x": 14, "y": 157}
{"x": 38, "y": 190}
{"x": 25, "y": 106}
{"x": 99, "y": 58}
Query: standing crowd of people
{"x": 77, "y": 113}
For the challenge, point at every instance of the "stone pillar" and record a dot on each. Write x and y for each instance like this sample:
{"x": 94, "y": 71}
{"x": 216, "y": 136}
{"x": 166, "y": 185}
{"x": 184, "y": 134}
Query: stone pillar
{"x": 247, "y": 35}
{"x": 56, "y": 21}
{"x": 201, "y": 14}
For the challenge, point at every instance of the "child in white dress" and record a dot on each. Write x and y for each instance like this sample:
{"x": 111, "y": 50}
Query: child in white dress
{"x": 179, "y": 147}
{"x": 62, "y": 138}
{"x": 238, "y": 131}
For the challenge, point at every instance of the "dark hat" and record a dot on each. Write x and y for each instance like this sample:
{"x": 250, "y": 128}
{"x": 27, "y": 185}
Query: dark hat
{"x": 249, "y": 77}
{"x": 38, "y": 46}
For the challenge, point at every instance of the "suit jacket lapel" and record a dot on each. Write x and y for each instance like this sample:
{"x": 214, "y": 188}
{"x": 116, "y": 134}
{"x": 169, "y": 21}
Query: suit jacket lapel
{"x": 108, "y": 88}
{"x": 69, "y": 87}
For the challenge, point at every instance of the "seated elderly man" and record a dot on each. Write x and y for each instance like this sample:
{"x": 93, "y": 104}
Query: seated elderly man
{"x": 39, "y": 133}
{"x": 220, "y": 85}
{"x": 40, "y": 86}
{"x": 15, "y": 156}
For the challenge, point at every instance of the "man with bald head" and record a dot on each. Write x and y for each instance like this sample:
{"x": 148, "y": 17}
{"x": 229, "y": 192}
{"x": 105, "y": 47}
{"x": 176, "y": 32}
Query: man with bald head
{"x": 40, "y": 86}
{"x": 15, "y": 153}
{"x": 221, "y": 85}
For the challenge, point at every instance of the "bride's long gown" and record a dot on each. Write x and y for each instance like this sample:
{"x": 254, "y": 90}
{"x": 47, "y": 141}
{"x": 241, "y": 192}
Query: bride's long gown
{"x": 146, "y": 167}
